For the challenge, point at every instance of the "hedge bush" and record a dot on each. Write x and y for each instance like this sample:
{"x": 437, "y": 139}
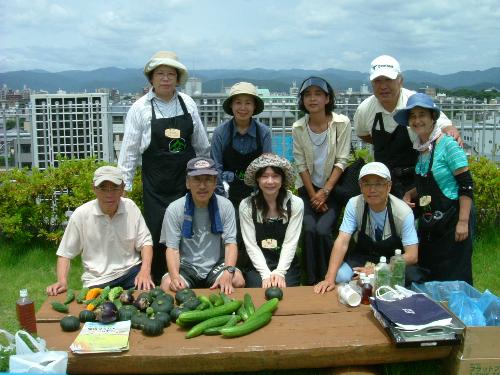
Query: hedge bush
{"x": 34, "y": 203}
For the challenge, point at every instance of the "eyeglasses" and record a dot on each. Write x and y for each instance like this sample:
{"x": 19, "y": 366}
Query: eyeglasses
{"x": 103, "y": 189}
{"x": 164, "y": 75}
{"x": 195, "y": 180}
{"x": 376, "y": 185}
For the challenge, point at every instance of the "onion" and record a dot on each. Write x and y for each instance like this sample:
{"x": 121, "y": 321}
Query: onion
{"x": 106, "y": 313}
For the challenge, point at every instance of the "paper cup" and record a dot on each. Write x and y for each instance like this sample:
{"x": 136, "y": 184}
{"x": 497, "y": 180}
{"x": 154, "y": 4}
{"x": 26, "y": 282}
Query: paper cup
{"x": 349, "y": 296}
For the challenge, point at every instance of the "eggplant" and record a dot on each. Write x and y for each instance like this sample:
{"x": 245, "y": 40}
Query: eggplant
{"x": 127, "y": 298}
{"x": 106, "y": 313}
{"x": 142, "y": 303}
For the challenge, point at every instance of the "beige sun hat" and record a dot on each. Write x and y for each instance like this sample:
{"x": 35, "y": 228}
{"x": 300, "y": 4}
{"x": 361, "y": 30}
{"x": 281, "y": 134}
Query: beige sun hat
{"x": 243, "y": 88}
{"x": 270, "y": 160}
{"x": 167, "y": 58}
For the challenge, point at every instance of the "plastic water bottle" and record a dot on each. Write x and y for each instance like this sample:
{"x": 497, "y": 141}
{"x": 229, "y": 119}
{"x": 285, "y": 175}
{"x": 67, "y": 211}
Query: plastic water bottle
{"x": 382, "y": 273}
{"x": 25, "y": 309}
{"x": 398, "y": 269}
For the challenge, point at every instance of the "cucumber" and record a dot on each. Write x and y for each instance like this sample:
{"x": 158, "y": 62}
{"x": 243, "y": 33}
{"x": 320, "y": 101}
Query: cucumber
{"x": 212, "y": 322}
{"x": 198, "y": 316}
{"x": 70, "y": 296}
{"x": 59, "y": 307}
{"x": 251, "y": 325}
{"x": 269, "y": 306}
{"x": 81, "y": 295}
{"x": 248, "y": 303}
{"x": 225, "y": 298}
{"x": 216, "y": 330}
{"x": 242, "y": 312}
{"x": 205, "y": 300}
{"x": 216, "y": 299}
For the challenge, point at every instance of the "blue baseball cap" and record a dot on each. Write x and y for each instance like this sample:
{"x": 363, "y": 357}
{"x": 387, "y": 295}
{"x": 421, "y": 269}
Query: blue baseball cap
{"x": 314, "y": 81}
{"x": 416, "y": 100}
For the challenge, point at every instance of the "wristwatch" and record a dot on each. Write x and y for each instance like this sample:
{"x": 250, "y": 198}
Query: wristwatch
{"x": 230, "y": 269}
{"x": 327, "y": 191}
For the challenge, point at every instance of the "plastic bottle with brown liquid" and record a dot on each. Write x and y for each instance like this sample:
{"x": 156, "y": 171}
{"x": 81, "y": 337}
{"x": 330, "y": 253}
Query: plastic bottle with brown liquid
{"x": 25, "y": 309}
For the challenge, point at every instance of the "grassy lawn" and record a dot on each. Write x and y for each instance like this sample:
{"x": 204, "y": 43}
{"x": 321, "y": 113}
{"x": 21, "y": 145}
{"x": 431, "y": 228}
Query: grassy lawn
{"x": 33, "y": 267}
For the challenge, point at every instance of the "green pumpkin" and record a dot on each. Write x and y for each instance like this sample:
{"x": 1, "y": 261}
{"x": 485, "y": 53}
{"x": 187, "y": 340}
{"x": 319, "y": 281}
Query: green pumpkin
{"x": 127, "y": 312}
{"x": 273, "y": 292}
{"x": 176, "y": 311}
{"x": 70, "y": 323}
{"x": 166, "y": 298}
{"x": 86, "y": 316}
{"x": 156, "y": 292}
{"x": 164, "y": 317}
{"x": 152, "y": 327}
{"x": 138, "y": 320}
{"x": 162, "y": 305}
{"x": 183, "y": 295}
{"x": 191, "y": 303}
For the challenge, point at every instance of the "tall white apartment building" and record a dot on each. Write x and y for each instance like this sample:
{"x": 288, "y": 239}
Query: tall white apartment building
{"x": 74, "y": 126}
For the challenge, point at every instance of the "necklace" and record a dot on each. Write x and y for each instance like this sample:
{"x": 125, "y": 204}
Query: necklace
{"x": 314, "y": 135}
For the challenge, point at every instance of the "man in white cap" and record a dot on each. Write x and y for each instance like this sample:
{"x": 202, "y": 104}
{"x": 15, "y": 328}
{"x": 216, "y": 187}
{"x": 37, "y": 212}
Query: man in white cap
{"x": 163, "y": 130}
{"x": 199, "y": 231}
{"x": 111, "y": 236}
{"x": 382, "y": 222}
{"x": 373, "y": 122}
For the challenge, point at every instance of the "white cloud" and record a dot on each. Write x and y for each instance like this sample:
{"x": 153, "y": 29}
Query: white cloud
{"x": 442, "y": 37}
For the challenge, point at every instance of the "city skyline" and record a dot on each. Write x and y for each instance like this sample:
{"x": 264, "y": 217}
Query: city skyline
{"x": 442, "y": 38}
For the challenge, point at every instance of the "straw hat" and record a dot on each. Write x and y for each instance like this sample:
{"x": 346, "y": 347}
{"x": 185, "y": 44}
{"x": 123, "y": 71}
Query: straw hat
{"x": 167, "y": 58}
{"x": 270, "y": 160}
{"x": 243, "y": 88}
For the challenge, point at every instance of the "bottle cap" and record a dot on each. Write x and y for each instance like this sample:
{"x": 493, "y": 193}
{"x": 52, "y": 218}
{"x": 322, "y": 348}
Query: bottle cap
{"x": 397, "y": 252}
{"x": 23, "y": 293}
{"x": 383, "y": 259}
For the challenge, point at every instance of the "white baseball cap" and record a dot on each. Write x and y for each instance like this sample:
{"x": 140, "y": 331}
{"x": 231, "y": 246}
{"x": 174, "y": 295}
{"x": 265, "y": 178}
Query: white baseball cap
{"x": 375, "y": 168}
{"x": 386, "y": 66}
{"x": 108, "y": 173}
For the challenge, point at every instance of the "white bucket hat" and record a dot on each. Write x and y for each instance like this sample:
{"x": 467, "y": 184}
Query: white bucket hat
{"x": 270, "y": 160}
{"x": 247, "y": 89}
{"x": 167, "y": 58}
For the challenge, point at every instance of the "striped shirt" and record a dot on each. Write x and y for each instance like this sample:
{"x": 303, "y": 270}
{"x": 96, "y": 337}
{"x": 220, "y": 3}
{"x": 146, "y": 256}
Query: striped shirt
{"x": 448, "y": 157}
{"x": 137, "y": 136}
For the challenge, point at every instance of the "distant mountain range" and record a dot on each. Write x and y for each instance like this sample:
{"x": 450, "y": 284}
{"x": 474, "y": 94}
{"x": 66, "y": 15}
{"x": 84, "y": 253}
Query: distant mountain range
{"x": 132, "y": 80}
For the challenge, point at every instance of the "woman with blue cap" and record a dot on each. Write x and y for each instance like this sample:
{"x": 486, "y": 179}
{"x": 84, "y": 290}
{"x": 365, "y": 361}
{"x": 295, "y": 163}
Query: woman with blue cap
{"x": 321, "y": 144}
{"x": 444, "y": 193}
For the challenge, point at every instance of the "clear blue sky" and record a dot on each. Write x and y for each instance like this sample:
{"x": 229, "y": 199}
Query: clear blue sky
{"x": 439, "y": 36}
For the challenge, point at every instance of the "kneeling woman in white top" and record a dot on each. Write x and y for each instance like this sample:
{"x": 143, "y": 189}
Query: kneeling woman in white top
{"x": 271, "y": 221}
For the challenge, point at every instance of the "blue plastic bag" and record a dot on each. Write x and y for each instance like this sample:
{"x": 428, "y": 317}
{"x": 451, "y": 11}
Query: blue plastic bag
{"x": 441, "y": 290}
{"x": 490, "y": 306}
{"x": 466, "y": 309}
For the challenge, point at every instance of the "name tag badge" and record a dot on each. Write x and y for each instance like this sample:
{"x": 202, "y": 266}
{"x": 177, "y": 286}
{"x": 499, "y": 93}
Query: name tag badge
{"x": 172, "y": 133}
{"x": 269, "y": 243}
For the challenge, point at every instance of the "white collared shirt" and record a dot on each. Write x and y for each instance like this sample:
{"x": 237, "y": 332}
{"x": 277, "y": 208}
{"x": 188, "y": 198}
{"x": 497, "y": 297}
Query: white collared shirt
{"x": 137, "y": 136}
{"x": 365, "y": 115}
{"x": 109, "y": 247}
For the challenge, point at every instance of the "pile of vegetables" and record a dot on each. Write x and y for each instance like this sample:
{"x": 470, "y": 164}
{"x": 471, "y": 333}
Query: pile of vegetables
{"x": 220, "y": 315}
{"x": 153, "y": 311}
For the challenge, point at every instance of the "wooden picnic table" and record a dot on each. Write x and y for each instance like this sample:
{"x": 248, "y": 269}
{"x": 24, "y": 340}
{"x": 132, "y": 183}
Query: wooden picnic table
{"x": 307, "y": 331}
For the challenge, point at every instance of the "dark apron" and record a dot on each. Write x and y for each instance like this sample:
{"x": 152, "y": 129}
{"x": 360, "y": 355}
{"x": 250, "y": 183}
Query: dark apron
{"x": 237, "y": 163}
{"x": 368, "y": 250}
{"x": 164, "y": 175}
{"x": 275, "y": 230}
{"x": 396, "y": 151}
{"x": 446, "y": 258}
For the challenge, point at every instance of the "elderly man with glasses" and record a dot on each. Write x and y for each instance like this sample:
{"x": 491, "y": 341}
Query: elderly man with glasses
{"x": 111, "y": 236}
{"x": 382, "y": 223}
{"x": 199, "y": 232}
